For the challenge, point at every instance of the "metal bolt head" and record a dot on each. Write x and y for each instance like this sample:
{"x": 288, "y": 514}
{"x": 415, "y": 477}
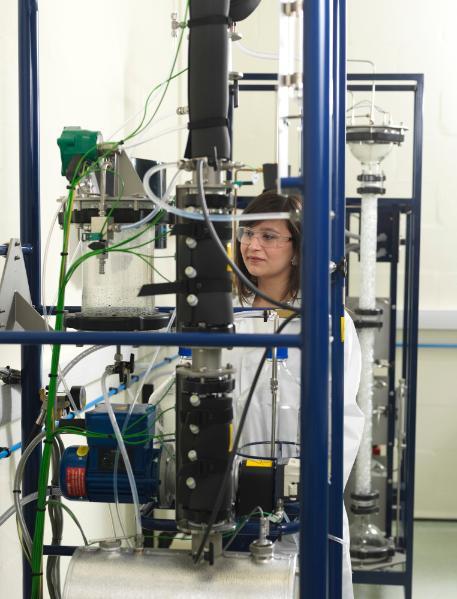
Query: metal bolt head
{"x": 191, "y": 483}
{"x": 194, "y": 429}
{"x": 194, "y": 400}
{"x": 192, "y": 455}
{"x": 191, "y": 243}
{"x": 190, "y": 272}
{"x": 192, "y": 300}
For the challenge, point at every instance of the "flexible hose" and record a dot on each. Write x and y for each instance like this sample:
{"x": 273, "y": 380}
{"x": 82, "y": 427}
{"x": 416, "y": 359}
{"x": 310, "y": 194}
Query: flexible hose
{"x": 132, "y": 405}
{"x": 154, "y": 170}
{"x": 197, "y": 216}
{"x": 125, "y": 456}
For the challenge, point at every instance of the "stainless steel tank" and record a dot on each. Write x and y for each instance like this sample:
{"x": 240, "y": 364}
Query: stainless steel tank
{"x": 114, "y": 573}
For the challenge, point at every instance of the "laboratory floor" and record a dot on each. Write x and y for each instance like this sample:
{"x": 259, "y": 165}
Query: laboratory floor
{"x": 435, "y": 565}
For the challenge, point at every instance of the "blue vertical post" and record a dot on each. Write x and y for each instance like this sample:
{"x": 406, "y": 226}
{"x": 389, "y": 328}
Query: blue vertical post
{"x": 413, "y": 327}
{"x": 29, "y": 174}
{"x": 337, "y": 295}
{"x": 315, "y": 301}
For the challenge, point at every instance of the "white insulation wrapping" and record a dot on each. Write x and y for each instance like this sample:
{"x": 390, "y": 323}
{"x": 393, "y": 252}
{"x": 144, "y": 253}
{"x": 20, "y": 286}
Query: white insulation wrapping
{"x": 368, "y": 247}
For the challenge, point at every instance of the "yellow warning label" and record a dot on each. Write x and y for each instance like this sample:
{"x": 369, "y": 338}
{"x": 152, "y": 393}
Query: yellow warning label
{"x": 343, "y": 329}
{"x": 82, "y": 451}
{"x": 260, "y": 463}
{"x": 230, "y": 255}
{"x": 230, "y": 436}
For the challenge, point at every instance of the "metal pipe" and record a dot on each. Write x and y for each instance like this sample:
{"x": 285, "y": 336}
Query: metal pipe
{"x": 142, "y": 339}
{"x": 29, "y": 177}
{"x": 315, "y": 302}
{"x": 337, "y": 297}
{"x": 413, "y": 311}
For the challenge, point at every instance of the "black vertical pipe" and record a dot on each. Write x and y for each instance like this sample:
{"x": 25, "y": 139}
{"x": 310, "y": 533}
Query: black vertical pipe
{"x": 337, "y": 295}
{"x": 29, "y": 175}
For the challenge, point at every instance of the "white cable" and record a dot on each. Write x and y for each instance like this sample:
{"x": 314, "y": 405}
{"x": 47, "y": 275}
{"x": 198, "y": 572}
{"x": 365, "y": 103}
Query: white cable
{"x": 256, "y": 53}
{"x": 198, "y": 216}
{"x": 125, "y": 456}
{"x": 160, "y": 134}
{"x": 25, "y": 501}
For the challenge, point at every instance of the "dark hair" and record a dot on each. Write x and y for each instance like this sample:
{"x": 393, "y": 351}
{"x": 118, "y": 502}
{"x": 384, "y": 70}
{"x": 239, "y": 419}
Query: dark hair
{"x": 271, "y": 201}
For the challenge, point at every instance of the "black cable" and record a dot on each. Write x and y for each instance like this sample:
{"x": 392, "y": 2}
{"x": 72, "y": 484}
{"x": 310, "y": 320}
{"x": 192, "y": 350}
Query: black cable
{"x": 231, "y": 458}
{"x": 215, "y": 237}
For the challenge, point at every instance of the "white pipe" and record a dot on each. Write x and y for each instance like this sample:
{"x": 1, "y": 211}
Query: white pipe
{"x": 214, "y": 217}
{"x": 128, "y": 466}
{"x": 367, "y": 301}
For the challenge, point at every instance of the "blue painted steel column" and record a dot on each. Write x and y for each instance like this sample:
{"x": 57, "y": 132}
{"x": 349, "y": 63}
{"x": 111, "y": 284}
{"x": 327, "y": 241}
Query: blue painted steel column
{"x": 315, "y": 301}
{"x": 29, "y": 173}
{"x": 337, "y": 295}
{"x": 413, "y": 327}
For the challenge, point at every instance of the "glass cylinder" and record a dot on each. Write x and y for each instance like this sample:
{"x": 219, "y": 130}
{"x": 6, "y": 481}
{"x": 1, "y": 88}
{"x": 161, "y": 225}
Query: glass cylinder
{"x": 112, "y": 281}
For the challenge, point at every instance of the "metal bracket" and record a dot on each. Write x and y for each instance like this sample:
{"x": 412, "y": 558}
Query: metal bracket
{"x": 16, "y": 311}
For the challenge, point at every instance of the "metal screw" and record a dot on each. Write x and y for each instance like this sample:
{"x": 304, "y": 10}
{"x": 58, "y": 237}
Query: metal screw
{"x": 190, "y": 272}
{"x": 192, "y": 455}
{"x": 194, "y": 429}
{"x": 192, "y": 300}
{"x": 194, "y": 400}
{"x": 191, "y": 243}
{"x": 190, "y": 482}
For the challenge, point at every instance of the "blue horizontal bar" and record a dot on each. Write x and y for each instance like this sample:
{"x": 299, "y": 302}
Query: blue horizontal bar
{"x": 59, "y": 549}
{"x": 378, "y": 577}
{"x": 259, "y": 87}
{"x": 260, "y": 77}
{"x": 26, "y": 249}
{"x": 292, "y": 182}
{"x": 433, "y": 345}
{"x": 403, "y": 203}
{"x": 383, "y": 88}
{"x": 141, "y": 338}
{"x": 385, "y": 77}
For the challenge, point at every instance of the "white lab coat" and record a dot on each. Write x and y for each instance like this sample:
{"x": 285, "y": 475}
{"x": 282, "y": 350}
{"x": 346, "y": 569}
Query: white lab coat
{"x": 246, "y": 360}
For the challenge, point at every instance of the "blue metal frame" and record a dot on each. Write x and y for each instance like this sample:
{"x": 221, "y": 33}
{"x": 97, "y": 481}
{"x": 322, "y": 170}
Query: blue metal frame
{"x": 316, "y": 186}
{"x": 30, "y": 231}
{"x": 412, "y": 208}
{"x": 337, "y": 291}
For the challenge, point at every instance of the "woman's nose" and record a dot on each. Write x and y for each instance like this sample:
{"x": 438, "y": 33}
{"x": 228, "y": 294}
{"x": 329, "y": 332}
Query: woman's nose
{"x": 255, "y": 242}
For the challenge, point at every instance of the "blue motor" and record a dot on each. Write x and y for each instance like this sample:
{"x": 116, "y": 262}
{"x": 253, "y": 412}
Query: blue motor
{"x": 87, "y": 471}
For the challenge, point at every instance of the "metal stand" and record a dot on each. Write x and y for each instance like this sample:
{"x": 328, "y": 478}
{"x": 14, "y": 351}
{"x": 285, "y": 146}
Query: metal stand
{"x": 392, "y": 208}
{"x": 322, "y": 160}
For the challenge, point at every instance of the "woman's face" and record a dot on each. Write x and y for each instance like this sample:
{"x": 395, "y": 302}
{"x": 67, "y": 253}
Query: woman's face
{"x": 263, "y": 259}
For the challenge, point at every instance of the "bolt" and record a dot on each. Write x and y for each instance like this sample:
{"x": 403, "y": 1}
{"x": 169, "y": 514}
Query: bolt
{"x": 194, "y": 429}
{"x": 192, "y": 455}
{"x": 190, "y": 482}
{"x": 194, "y": 400}
{"x": 192, "y": 300}
{"x": 190, "y": 272}
{"x": 191, "y": 243}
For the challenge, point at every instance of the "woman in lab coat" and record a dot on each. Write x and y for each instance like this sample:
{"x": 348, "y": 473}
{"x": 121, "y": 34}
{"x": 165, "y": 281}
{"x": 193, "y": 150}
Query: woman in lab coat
{"x": 268, "y": 252}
